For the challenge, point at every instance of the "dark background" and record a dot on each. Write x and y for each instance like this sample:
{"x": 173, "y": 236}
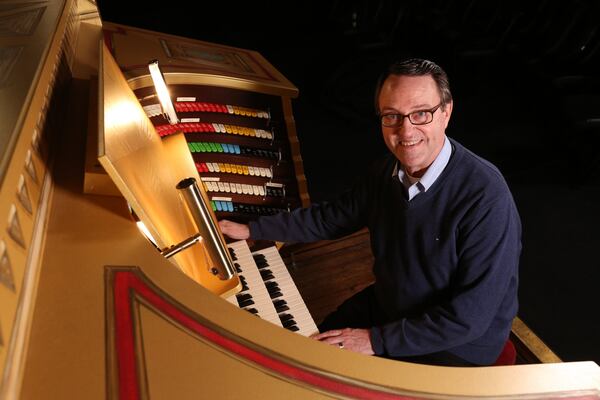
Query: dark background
{"x": 526, "y": 86}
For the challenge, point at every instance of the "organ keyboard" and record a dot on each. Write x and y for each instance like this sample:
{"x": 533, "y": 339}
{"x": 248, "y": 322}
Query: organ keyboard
{"x": 269, "y": 290}
{"x": 254, "y": 296}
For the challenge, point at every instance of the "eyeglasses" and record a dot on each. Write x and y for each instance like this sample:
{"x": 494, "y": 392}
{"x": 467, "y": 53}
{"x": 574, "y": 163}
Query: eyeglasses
{"x": 419, "y": 117}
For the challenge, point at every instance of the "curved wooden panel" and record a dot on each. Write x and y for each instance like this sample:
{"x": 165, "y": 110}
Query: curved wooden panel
{"x": 286, "y": 363}
{"x": 272, "y": 357}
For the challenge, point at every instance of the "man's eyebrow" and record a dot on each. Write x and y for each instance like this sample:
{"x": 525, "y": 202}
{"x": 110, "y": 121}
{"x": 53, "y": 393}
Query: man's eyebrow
{"x": 422, "y": 107}
{"x": 418, "y": 107}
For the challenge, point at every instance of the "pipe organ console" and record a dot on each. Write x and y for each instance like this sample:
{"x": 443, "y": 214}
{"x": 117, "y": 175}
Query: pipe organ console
{"x": 90, "y": 309}
{"x": 239, "y": 144}
{"x": 235, "y": 111}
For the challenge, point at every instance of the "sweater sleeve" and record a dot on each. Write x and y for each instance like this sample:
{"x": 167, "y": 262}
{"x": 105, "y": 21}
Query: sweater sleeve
{"x": 483, "y": 288}
{"x": 322, "y": 221}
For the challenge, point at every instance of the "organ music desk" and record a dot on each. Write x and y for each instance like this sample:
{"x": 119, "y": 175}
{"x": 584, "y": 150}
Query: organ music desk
{"x": 89, "y": 308}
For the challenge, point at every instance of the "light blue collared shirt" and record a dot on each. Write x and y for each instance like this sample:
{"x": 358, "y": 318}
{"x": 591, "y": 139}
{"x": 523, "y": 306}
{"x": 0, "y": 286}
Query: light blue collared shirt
{"x": 430, "y": 176}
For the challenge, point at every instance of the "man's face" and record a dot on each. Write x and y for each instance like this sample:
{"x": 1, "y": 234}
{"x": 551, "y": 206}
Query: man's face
{"x": 416, "y": 146}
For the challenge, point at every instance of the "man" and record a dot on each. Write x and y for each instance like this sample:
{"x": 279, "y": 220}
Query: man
{"x": 445, "y": 235}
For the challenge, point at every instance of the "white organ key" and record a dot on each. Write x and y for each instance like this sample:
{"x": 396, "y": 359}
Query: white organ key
{"x": 256, "y": 288}
{"x": 297, "y": 308}
{"x": 232, "y": 187}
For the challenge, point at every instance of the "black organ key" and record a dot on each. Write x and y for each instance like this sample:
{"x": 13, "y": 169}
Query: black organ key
{"x": 261, "y": 261}
{"x": 244, "y": 283}
{"x": 243, "y": 296}
{"x": 266, "y": 274}
{"x": 246, "y": 303}
{"x": 244, "y": 299}
{"x": 275, "y": 295}
{"x": 274, "y": 290}
{"x": 286, "y": 317}
{"x": 280, "y": 306}
{"x": 262, "y": 264}
{"x": 232, "y": 253}
{"x": 288, "y": 324}
{"x": 238, "y": 269}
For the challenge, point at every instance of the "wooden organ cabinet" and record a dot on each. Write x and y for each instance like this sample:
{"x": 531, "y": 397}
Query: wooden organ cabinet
{"x": 88, "y": 307}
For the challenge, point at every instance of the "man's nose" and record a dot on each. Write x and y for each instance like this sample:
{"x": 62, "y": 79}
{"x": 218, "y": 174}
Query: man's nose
{"x": 404, "y": 126}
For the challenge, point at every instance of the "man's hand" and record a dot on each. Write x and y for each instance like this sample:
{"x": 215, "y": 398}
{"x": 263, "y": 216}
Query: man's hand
{"x": 357, "y": 340}
{"x": 234, "y": 230}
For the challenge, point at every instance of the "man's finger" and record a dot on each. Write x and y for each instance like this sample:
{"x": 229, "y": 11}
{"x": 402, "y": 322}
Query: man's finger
{"x": 320, "y": 336}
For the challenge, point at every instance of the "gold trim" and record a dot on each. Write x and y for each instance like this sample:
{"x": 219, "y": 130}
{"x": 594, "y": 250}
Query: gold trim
{"x": 296, "y": 151}
{"x": 183, "y": 78}
{"x": 533, "y": 342}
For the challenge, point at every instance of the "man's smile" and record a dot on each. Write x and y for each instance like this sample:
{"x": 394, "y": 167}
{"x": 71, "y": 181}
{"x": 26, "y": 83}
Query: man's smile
{"x": 410, "y": 143}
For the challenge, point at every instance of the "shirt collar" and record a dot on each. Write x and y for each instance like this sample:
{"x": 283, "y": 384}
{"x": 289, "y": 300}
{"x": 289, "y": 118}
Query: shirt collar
{"x": 432, "y": 173}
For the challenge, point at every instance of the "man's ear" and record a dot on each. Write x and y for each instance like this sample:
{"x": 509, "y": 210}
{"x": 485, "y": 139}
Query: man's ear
{"x": 447, "y": 112}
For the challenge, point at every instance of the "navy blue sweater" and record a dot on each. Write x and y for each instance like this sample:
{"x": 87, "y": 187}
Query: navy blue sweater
{"x": 446, "y": 263}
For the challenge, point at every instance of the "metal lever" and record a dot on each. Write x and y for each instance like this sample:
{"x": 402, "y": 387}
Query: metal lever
{"x": 171, "y": 251}
{"x": 215, "y": 245}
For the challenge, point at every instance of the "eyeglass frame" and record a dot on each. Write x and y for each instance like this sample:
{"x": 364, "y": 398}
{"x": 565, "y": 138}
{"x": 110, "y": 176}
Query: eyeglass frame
{"x": 431, "y": 112}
